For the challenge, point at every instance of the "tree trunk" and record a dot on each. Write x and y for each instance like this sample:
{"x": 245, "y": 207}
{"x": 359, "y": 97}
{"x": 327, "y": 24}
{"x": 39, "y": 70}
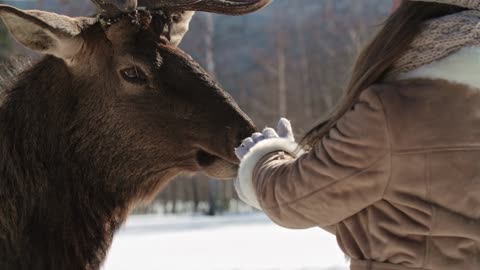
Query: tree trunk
{"x": 209, "y": 44}
{"x": 281, "y": 64}
{"x": 282, "y": 82}
{"x": 174, "y": 197}
{"x": 304, "y": 64}
{"x": 196, "y": 199}
{"x": 212, "y": 197}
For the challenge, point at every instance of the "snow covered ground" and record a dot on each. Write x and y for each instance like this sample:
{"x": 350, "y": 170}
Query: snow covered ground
{"x": 244, "y": 242}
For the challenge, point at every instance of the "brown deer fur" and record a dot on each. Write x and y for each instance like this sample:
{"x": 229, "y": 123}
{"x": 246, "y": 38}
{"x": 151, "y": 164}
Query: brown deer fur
{"x": 80, "y": 146}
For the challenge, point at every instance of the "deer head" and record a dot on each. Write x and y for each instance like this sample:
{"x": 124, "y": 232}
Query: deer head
{"x": 144, "y": 110}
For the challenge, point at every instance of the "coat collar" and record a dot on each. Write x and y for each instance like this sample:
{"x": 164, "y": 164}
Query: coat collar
{"x": 462, "y": 67}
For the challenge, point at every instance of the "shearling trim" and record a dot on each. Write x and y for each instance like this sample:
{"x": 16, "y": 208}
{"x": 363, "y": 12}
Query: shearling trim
{"x": 461, "y": 67}
{"x": 244, "y": 181}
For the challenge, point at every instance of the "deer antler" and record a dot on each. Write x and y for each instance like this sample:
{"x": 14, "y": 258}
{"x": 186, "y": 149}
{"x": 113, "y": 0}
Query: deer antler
{"x": 230, "y": 7}
{"x": 111, "y": 8}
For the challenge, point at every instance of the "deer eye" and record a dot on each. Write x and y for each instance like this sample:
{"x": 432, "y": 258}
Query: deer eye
{"x": 134, "y": 75}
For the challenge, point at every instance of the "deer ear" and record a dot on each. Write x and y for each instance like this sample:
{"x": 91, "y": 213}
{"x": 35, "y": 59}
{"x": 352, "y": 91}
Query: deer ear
{"x": 44, "y": 32}
{"x": 181, "y": 22}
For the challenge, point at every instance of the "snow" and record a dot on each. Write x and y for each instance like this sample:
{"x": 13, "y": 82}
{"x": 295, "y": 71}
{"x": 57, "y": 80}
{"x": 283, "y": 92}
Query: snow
{"x": 241, "y": 242}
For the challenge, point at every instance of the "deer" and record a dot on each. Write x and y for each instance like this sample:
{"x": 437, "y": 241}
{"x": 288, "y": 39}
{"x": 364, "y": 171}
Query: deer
{"x": 109, "y": 115}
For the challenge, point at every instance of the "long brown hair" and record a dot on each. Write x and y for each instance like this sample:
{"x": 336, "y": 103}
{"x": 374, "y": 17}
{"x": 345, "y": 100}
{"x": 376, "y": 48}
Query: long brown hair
{"x": 377, "y": 58}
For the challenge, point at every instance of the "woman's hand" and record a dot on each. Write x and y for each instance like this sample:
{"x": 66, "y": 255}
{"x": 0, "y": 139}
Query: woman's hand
{"x": 256, "y": 147}
{"x": 284, "y": 130}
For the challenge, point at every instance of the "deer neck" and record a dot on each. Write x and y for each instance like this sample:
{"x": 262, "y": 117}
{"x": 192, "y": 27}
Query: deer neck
{"x": 60, "y": 211}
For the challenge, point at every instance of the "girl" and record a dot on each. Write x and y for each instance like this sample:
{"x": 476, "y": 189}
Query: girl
{"x": 394, "y": 172}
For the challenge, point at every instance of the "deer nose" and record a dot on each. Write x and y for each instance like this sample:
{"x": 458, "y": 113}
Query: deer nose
{"x": 246, "y": 131}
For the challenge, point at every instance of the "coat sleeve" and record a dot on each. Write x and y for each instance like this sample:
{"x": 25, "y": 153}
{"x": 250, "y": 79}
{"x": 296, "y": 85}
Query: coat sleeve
{"x": 344, "y": 173}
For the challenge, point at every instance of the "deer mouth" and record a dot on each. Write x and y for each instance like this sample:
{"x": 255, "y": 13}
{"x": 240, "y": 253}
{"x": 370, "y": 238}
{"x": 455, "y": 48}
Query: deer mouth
{"x": 215, "y": 166}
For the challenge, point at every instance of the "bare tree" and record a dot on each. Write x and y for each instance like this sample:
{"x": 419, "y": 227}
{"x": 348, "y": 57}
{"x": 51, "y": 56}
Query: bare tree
{"x": 304, "y": 62}
{"x": 282, "y": 77}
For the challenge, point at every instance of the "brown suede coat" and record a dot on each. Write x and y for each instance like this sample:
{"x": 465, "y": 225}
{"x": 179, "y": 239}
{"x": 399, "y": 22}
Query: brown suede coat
{"x": 397, "y": 180}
